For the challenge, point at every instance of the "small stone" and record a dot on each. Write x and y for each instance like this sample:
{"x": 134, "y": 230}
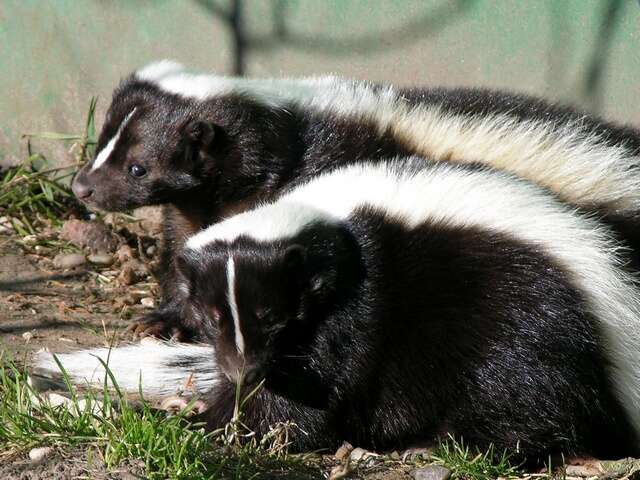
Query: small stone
{"x": 66, "y": 261}
{"x": 131, "y": 299}
{"x": 151, "y": 251}
{"x": 395, "y": 455}
{"x": 590, "y": 469}
{"x": 343, "y": 451}
{"x": 124, "y": 253}
{"x": 132, "y": 272}
{"x": 431, "y": 472}
{"x": 150, "y": 219}
{"x": 147, "y": 302}
{"x": 360, "y": 455}
{"x": 40, "y": 454}
{"x": 101, "y": 259}
{"x": 93, "y": 235}
{"x": 55, "y": 399}
{"x": 27, "y": 336}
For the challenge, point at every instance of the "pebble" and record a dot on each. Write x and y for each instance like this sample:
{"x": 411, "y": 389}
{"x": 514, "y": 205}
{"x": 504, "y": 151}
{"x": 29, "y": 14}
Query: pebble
{"x": 27, "y": 336}
{"x": 132, "y": 272}
{"x": 360, "y": 454}
{"x": 343, "y": 451}
{"x": 124, "y": 253}
{"x": 151, "y": 251}
{"x": 101, "y": 259}
{"x": 55, "y": 399}
{"x": 432, "y": 472}
{"x": 69, "y": 260}
{"x": 93, "y": 235}
{"x": 588, "y": 470}
{"x": 147, "y": 302}
{"x": 40, "y": 454}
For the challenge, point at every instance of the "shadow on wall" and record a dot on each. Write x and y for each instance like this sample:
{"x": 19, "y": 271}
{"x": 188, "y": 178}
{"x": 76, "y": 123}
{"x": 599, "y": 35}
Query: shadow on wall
{"x": 589, "y": 91}
{"x": 244, "y": 41}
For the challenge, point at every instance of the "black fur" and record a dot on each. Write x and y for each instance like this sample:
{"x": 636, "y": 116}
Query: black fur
{"x": 209, "y": 159}
{"x": 371, "y": 333}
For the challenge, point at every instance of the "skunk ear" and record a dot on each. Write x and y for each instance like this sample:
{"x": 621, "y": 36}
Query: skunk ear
{"x": 200, "y": 134}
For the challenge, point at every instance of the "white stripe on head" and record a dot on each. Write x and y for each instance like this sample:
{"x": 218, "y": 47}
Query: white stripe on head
{"x": 233, "y": 305}
{"x": 104, "y": 154}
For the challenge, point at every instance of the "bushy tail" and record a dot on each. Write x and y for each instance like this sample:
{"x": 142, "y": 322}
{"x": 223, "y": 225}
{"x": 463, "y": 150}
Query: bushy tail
{"x": 158, "y": 369}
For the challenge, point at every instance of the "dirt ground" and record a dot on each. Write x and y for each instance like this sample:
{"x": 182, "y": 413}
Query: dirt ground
{"x": 43, "y": 305}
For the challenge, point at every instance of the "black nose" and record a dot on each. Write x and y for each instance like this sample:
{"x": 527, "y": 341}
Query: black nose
{"x": 81, "y": 190}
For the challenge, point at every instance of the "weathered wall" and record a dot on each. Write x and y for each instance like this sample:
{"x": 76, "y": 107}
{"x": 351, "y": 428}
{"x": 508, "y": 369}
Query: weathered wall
{"x": 54, "y": 55}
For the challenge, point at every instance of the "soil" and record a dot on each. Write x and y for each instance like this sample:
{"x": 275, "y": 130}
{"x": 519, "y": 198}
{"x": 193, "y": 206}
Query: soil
{"x": 42, "y": 306}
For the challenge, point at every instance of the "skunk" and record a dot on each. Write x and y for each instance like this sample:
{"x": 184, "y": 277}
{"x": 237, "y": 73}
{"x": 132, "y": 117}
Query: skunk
{"x": 207, "y": 147}
{"x": 393, "y": 302}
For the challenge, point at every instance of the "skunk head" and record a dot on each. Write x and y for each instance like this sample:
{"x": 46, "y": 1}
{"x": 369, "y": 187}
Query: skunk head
{"x": 152, "y": 149}
{"x": 246, "y": 298}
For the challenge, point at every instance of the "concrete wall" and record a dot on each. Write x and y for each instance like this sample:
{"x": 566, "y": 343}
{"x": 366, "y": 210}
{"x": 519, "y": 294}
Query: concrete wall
{"x": 55, "y": 55}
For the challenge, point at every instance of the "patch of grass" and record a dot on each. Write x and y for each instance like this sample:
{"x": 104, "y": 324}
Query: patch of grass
{"x": 34, "y": 195}
{"x": 465, "y": 464}
{"x": 169, "y": 447}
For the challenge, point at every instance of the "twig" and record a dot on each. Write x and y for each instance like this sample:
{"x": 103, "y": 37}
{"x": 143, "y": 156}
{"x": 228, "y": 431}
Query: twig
{"x": 39, "y": 173}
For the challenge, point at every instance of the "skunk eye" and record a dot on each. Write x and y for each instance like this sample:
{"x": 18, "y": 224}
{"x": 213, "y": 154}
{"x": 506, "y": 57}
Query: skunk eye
{"x": 137, "y": 171}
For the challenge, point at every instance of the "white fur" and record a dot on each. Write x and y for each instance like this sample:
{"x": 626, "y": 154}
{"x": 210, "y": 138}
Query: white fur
{"x": 492, "y": 201}
{"x": 144, "y": 364}
{"x": 233, "y": 305}
{"x": 105, "y": 153}
{"x": 157, "y": 70}
{"x": 583, "y": 171}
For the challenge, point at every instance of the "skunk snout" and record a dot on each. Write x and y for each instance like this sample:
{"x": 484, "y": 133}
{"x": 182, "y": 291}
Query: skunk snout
{"x": 81, "y": 189}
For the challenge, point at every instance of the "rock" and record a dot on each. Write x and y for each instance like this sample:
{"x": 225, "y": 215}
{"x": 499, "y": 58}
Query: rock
{"x": 132, "y": 272}
{"x": 103, "y": 259}
{"x": 343, "y": 451}
{"x": 93, "y": 235}
{"x": 362, "y": 455}
{"x": 40, "y": 454}
{"x": 414, "y": 453}
{"x": 69, "y": 260}
{"x": 176, "y": 404}
{"x": 55, "y": 399}
{"x": 340, "y": 471}
{"x": 6, "y": 224}
{"x": 590, "y": 469}
{"x": 147, "y": 302}
{"x": 151, "y": 250}
{"x": 27, "y": 336}
{"x": 431, "y": 472}
{"x": 124, "y": 253}
{"x": 150, "y": 219}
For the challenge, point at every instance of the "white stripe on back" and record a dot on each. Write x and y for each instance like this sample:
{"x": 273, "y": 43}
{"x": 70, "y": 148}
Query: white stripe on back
{"x": 231, "y": 296}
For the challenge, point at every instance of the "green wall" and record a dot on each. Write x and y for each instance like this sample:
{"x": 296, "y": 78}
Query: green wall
{"x": 55, "y": 55}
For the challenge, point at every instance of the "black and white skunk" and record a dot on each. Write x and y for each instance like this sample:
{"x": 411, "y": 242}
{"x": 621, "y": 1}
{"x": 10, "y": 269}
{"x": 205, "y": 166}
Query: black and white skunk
{"x": 207, "y": 147}
{"x": 393, "y": 302}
